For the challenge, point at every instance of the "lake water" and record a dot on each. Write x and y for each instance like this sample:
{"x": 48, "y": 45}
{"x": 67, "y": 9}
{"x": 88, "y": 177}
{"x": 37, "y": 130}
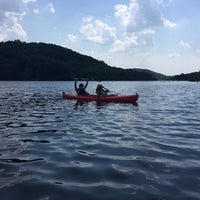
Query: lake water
{"x": 51, "y": 149}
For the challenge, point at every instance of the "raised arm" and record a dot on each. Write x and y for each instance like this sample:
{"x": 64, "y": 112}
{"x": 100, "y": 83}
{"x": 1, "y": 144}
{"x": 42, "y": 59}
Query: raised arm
{"x": 75, "y": 85}
{"x": 86, "y": 84}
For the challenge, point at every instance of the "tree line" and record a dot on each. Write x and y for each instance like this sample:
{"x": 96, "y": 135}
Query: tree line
{"x": 40, "y": 61}
{"x": 48, "y": 62}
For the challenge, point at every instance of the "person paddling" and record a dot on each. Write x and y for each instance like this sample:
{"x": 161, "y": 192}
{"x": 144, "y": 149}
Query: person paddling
{"x": 81, "y": 89}
{"x": 101, "y": 90}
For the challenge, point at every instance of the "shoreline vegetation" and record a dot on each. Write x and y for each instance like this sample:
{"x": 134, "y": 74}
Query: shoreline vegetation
{"x": 20, "y": 61}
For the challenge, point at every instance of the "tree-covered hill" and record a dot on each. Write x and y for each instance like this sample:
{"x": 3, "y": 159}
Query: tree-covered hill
{"x": 40, "y": 61}
{"x": 156, "y": 75}
{"x": 194, "y": 76}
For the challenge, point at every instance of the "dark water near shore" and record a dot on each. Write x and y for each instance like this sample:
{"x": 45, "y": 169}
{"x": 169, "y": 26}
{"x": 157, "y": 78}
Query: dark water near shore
{"x": 49, "y": 149}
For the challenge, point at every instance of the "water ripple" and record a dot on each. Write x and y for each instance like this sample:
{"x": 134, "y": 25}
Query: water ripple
{"x": 52, "y": 149}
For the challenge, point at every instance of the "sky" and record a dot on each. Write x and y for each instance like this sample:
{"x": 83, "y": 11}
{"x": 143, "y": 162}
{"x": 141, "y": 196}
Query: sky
{"x": 159, "y": 35}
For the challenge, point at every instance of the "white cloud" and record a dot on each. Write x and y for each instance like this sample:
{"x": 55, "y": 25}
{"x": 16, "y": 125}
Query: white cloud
{"x": 126, "y": 14}
{"x": 138, "y": 21}
{"x": 72, "y": 37}
{"x": 87, "y": 19}
{"x": 185, "y": 45}
{"x": 36, "y": 11}
{"x": 97, "y": 31}
{"x": 139, "y": 14}
{"x": 140, "y": 18}
{"x": 134, "y": 40}
{"x": 51, "y": 8}
{"x": 126, "y": 43}
{"x": 145, "y": 37}
{"x": 11, "y": 15}
{"x": 168, "y": 23}
{"x": 11, "y": 28}
{"x": 16, "y": 28}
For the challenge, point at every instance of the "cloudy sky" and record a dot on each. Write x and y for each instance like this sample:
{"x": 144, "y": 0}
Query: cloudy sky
{"x": 160, "y": 35}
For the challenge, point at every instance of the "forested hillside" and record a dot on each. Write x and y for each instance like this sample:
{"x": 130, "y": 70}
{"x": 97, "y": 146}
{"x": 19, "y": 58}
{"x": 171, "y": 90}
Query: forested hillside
{"x": 194, "y": 76}
{"x": 48, "y": 62}
{"x": 40, "y": 61}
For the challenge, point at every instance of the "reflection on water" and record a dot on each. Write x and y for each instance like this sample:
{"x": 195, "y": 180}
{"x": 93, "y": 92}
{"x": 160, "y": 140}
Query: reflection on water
{"x": 52, "y": 148}
{"x": 98, "y": 104}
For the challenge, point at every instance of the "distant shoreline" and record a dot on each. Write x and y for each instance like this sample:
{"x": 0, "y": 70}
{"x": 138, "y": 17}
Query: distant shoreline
{"x": 20, "y": 61}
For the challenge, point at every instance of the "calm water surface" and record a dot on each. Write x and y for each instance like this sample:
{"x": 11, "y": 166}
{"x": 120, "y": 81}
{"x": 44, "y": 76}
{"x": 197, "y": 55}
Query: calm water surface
{"x": 51, "y": 149}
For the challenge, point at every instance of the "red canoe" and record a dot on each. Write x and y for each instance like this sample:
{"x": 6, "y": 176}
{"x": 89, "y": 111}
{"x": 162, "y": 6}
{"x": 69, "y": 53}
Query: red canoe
{"x": 109, "y": 98}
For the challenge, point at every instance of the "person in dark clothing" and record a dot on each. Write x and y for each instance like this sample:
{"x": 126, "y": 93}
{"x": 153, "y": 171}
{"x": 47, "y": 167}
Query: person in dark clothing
{"x": 81, "y": 89}
{"x": 101, "y": 90}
